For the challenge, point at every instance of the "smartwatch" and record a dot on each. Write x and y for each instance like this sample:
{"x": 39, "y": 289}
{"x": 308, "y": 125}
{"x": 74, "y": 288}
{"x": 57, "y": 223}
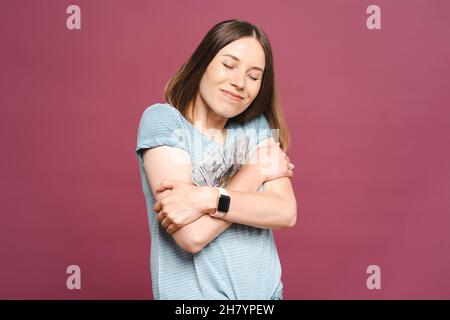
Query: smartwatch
{"x": 223, "y": 204}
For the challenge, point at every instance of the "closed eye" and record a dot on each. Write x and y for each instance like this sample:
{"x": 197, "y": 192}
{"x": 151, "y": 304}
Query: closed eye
{"x": 228, "y": 67}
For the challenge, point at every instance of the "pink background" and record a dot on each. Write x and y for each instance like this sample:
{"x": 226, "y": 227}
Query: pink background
{"x": 368, "y": 112}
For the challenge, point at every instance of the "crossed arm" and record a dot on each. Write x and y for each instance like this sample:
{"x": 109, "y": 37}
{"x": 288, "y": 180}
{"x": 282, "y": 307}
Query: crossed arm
{"x": 275, "y": 207}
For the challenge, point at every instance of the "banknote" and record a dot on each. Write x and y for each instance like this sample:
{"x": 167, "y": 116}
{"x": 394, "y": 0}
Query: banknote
{"x": 198, "y": 177}
{"x": 238, "y": 156}
{"x": 221, "y": 164}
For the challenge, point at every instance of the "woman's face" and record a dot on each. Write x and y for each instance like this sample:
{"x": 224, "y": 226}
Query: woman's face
{"x": 237, "y": 68}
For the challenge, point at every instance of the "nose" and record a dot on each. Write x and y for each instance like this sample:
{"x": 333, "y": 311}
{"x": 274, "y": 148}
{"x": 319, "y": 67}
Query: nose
{"x": 238, "y": 80}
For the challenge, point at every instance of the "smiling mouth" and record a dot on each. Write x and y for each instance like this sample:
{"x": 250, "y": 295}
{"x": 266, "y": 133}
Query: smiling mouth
{"x": 231, "y": 96}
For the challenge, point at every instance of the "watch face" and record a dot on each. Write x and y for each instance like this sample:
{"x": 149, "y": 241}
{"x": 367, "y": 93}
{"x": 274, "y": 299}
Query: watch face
{"x": 224, "y": 203}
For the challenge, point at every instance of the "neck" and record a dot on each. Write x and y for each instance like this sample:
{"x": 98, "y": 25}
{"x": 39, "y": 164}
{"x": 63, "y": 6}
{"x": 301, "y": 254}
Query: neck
{"x": 207, "y": 121}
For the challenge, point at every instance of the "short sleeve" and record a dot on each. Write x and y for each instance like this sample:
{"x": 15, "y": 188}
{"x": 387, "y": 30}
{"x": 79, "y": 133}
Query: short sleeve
{"x": 160, "y": 125}
{"x": 264, "y": 131}
{"x": 259, "y": 131}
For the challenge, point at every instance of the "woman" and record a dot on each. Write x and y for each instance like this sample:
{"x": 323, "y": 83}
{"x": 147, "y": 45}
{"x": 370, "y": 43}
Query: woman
{"x": 209, "y": 242}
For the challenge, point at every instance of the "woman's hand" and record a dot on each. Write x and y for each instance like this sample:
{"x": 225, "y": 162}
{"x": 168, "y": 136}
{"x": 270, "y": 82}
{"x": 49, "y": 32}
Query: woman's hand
{"x": 184, "y": 204}
{"x": 273, "y": 163}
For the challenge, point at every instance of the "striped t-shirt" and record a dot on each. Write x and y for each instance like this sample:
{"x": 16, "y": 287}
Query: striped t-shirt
{"x": 242, "y": 262}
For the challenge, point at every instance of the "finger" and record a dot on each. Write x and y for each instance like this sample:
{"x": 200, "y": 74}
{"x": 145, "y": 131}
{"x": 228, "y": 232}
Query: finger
{"x": 290, "y": 173}
{"x": 160, "y": 216}
{"x": 171, "y": 229}
{"x": 289, "y": 166}
{"x": 165, "y": 223}
{"x": 160, "y": 189}
{"x": 165, "y": 184}
{"x": 157, "y": 207}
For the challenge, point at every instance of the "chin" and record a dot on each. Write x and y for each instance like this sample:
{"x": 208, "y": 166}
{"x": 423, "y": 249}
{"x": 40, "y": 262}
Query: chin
{"x": 224, "y": 111}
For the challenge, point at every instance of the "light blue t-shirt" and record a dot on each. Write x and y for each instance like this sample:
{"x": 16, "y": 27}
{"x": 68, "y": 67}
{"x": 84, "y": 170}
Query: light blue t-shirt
{"x": 242, "y": 262}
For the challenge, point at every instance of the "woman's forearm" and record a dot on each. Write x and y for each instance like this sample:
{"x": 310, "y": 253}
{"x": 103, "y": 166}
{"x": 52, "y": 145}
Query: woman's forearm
{"x": 194, "y": 236}
{"x": 248, "y": 178}
{"x": 264, "y": 209}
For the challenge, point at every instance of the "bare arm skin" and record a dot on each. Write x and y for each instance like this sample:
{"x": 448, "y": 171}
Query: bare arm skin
{"x": 275, "y": 207}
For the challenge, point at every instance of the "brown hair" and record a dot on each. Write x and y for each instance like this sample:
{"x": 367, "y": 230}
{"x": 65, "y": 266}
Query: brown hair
{"x": 183, "y": 87}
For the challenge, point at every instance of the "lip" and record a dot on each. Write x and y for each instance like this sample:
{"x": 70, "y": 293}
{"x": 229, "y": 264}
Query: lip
{"x": 232, "y": 95}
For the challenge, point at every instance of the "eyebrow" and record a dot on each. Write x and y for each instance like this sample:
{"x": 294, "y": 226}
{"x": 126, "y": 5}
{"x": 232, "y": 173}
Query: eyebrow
{"x": 237, "y": 59}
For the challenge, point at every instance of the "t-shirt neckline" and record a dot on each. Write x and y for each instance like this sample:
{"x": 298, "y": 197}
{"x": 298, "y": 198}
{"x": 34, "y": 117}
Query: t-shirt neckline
{"x": 227, "y": 133}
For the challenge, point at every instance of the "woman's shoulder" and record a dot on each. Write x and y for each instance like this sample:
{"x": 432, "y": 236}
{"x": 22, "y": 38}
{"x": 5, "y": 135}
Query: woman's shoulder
{"x": 258, "y": 122}
{"x": 162, "y": 113}
{"x": 161, "y": 110}
{"x": 259, "y": 126}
